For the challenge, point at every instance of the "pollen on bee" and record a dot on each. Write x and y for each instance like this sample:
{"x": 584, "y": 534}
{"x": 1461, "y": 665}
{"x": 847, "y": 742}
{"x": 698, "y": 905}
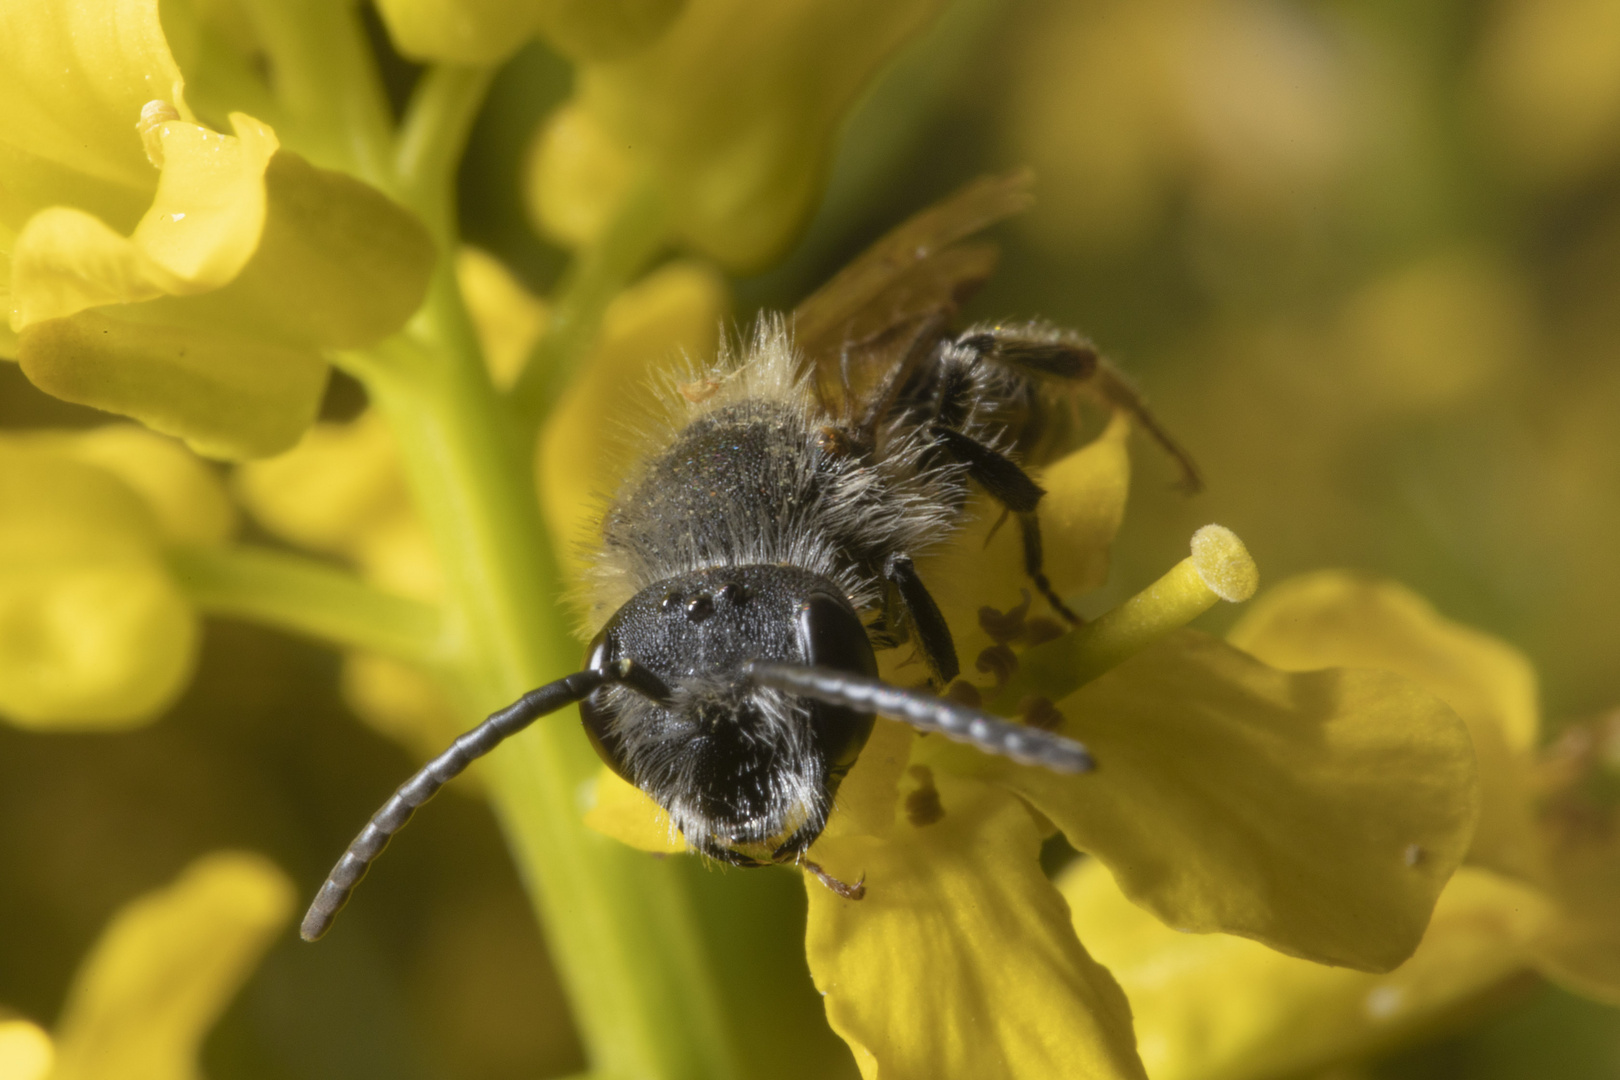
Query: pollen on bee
{"x": 698, "y": 391}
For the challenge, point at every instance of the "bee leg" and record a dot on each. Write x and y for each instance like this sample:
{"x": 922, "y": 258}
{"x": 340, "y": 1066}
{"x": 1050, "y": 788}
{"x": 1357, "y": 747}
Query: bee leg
{"x": 933, "y": 633}
{"x": 1007, "y": 483}
{"x": 1030, "y": 526}
{"x": 1040, "y": 351}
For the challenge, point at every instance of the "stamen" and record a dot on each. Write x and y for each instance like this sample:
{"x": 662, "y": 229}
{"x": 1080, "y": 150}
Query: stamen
{"x": 155, "y": 114}
{"x": 1219, "y": 568}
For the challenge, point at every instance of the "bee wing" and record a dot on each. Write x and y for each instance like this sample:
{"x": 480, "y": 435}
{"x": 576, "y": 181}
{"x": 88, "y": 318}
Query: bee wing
{"x": 889, "y": 306}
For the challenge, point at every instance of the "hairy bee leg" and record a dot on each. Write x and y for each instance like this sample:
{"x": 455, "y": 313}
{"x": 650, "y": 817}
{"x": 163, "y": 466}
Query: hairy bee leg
{"x": 933, "y": 633}
{"x": 1006, "y": 482}
{"x": 1077, "y": 360}
{"x": 842, "y": 888}
{"x": 467, "y": 748}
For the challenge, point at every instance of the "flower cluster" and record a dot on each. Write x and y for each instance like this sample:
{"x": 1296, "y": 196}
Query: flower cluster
{"x": 202, "y": 214}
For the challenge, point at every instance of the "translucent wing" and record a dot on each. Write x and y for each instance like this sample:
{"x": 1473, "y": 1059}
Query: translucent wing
{"x": 884, "y": 311}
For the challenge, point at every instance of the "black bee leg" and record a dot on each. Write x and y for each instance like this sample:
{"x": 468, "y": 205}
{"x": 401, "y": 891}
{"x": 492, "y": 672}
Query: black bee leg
{"x": 340, "y": 883}
{"x": 933, "y": 633}
{"x": 1007, "y": 483}
{"x": 1040, "y": 351}
{"x": 1030, "y": 525}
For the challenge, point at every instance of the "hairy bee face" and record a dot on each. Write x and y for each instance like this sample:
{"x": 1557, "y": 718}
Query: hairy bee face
{"x": 746, "y": 773}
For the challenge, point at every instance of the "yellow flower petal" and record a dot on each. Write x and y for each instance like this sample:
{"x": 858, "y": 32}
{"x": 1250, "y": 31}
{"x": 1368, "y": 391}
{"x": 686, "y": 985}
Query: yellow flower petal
{"x": 983, "y": 565}
{"x": 578, "y": 176}
{"x": 73, "y": 80}
{"x": 509, "y": 319}
{"x": 734, "y": 109}
{"x": 207, "y": 321}
{"x": 960, "y": 960}
{"x": 227, "y": 394}
{"x": 339, "y": 484}
{"x": 166, "y": 968}
{"x": 403, "y": 703}
{"x": 202, "y": 227}
{"x": 1216, "y": 1007}
{"x": 93, "y": 630}
{"x": 184, "y": 494}
{"x": 26, "y": 1052}
{"x": 622, "y": 811}
{"x": 1319, "y": 813}
{"x": 674, "y": 312}
{"x": 1338, "y": 619}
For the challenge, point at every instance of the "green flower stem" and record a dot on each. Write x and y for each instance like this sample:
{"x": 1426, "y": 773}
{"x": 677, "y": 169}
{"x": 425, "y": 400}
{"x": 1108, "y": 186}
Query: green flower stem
{"x": 432, "y": 138}
{"x": 326, "y": 81}
{"x": 296, "y": 593}
{"x": 618, "y": 922}
{"x": 1219, "y": 568}
{"x": 598, "y": 274}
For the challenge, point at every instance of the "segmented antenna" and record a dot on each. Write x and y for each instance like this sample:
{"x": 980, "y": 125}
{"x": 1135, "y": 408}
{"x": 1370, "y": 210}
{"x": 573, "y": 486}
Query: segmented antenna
{"x": 924, "y": 711}
{"x": 340, "y": 883}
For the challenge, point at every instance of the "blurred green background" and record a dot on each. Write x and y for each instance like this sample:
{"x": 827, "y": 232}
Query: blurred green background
{"x": 1364, "y": 259}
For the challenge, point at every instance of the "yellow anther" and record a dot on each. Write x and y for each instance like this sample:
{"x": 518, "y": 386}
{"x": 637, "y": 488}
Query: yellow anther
{"x": 155, "y": 114}
{"x": 1219, "y": 568}
{"x": 1224, "y": 563}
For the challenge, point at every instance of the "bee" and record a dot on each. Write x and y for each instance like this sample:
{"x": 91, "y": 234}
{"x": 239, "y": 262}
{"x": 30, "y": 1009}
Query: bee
{"x": 757, "y": 559}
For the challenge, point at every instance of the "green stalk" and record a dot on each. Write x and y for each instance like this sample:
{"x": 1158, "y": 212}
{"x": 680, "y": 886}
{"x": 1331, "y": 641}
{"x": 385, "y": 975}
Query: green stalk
{"x": 598, "y": 274}
{"x": 437, "y": 122}
{"x": 619, "y": 923}
{"x": 326, "y": 81}
{"x": 296, "y": 593}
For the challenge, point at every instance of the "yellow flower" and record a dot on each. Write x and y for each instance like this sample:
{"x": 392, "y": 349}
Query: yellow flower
{"x": 94, "y": 630}
{"x": 1319, "y": 813}
{"x": 1530, "y": 896}
{"x": 162, "y": 972}
{"x": 1550, "y": 73}
{"x": 1121, "y": 103}
{"x": 157, "y": 268}
{"x": 729, "y": 118}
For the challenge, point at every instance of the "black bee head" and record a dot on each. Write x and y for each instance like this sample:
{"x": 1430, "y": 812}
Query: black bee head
{"x": 747, "y": 773}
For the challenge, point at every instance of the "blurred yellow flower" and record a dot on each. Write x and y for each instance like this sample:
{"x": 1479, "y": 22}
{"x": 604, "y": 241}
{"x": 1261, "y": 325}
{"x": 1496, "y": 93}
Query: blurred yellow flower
{"x": 94, "y": 630}
{"x": 729, "y": 117}
{"x": 162, "y": 972}
{"x": 153, "y": 267}
{"x": 1549, "y": 72}
{"x": 1119, "y": 104}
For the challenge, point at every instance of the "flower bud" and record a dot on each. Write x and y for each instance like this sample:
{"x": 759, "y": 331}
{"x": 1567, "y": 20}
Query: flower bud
{"x": 94, "y": 632}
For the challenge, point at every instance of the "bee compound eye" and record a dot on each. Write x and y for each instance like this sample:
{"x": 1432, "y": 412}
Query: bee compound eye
{"x": 832, "y": 636}
{"x": 596, "y": 713}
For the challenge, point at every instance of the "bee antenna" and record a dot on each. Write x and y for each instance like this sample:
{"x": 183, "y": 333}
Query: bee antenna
{"x": 925, "y": 712}
{"x": 467, "y": 748}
